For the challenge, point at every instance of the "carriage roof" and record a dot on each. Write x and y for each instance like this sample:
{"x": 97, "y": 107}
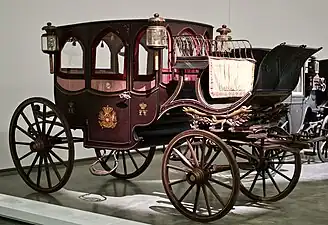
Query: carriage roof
{"x": 131, "y": 21}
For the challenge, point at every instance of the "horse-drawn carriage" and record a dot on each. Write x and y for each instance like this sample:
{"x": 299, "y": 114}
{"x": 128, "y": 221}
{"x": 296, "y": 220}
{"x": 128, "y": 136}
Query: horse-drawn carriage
{"x": 314, "y": 116}
{"x": 215, "y": 103}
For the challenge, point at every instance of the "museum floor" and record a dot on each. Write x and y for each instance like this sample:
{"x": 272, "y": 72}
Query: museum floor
{"x": 143, "y": 199}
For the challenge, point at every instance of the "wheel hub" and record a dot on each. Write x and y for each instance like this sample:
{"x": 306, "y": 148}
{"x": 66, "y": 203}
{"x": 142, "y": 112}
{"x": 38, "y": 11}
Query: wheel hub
{"x": 39, "y": 145}
{"x": 197, "y": 176}
{"x": 264, "y": 165}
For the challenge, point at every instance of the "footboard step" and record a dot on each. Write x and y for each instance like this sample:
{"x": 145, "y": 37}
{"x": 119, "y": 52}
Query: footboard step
{"x": 34, "y": 212}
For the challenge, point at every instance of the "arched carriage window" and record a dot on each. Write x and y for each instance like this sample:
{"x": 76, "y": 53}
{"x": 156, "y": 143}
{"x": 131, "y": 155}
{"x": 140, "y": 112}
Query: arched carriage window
{"x": 144, "y": 76}
{"x": 103, "y": 56}
{"x": 109, "y": 70}
{"x": 71, "y": 72}
{"x": 190, "y": 74}
{"x": 166, "y": 59}
{"x": 143, "y": 66}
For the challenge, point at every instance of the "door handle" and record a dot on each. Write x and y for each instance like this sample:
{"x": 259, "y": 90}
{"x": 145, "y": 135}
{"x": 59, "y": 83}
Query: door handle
{"x": 125, "y": 95}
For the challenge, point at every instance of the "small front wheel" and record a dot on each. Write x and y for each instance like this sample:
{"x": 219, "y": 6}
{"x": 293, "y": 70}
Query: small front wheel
{"x": 41, "y": 145}
{"x": 202, "y": 187}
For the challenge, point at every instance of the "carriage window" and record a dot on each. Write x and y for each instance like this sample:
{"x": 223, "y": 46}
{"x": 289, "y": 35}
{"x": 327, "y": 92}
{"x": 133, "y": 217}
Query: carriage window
{"x": 299, "y": 88}
{"x": 121, "y": 54}
{"x": 103, "y": 53}
{"x": 71, "y": 77}
{"x": 108, "y": 75}
{"x": 145, "y": 58}
{"x": 166, "y": 60}
{"x": 72, "y": 57}
{"x": 144, "y": 78}
{"x": 190, "y": 74}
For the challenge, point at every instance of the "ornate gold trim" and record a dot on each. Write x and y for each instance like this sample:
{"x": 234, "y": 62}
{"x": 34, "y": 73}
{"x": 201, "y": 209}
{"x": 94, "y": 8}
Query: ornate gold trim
{"x": 107, "y": 117}
{"x": 143, "y": 109}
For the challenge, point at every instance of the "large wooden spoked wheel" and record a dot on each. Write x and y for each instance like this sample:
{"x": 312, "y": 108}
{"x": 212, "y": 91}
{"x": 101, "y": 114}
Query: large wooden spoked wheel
{"x": 282, "y": 129}
{"x": 41, "y": 145}
{"x": 131, "y": 163}
{"x": 322, "y": 146}
{"x": 256, "y": 174}
{"x": 201, "y": 187}
{"x": 284, "y": 124}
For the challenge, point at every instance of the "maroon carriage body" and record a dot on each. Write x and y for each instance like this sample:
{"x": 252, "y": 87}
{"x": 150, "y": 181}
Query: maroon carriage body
{"x": 83, "y": 92}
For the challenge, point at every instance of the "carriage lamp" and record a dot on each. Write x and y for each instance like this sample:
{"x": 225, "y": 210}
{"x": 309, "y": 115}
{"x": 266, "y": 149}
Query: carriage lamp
{"x": 313, "y": 66}
{"x": 49, "y": 40}
{"x": 49, "y": 43}
{"x": 156, "y": 37}
{"x": 222, "y": 40}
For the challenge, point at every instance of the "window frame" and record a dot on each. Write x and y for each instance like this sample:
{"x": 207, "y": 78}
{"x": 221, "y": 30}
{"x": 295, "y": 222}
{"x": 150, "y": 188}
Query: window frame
{"x": 135, "y": 65}
{"x": 71, "y": 75}
{"x": 109, "y": 76}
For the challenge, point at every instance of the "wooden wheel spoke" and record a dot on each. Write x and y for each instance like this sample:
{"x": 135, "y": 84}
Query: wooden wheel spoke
{"x": 107, "y": 157}
{"x": 22, "y": 143}
{"x": 192, "y": 152}
{"x": 143, "y": 155}
{"x": 61, "y": 147}
{"x": 124, "y": 164}
{"x": 25, "y": 132}
{"x": 242, "y": 153}
{"x": 263, "y": 183}
{"x": 206, "y": 200}
{"x": 26, "y": 155}
{"x": 209, "y": 163}
{"x": 32, "y": 165}
{"x": 35, "y": 118}
{"x": 44, "y": 119}
{"x": 246, "y": 174}
{"x": 273, "y": 181}
{"x": 51, "y": 125}
{"x": 27, "y": 121}
{"x": 54, "y": 168}
{"x": 202, "y": 154}
{"x": 133, "y": 161}
{"x": 280, "y": 159}
{"x": 177, "y": 181}
{"x": 59, "y": 133}
{"x": 281, "y": 174}
{"x": 254, "y": 150}
{"x": 58, "y": 158}
{"x": 46, "y": 165}
{"x": 183, "y": 158}
{"x": 221, "y": 183}
{"x": 196, "y": 199}
{"x": 217, "y": 196}
{"x": 254, "y": 181}
{"x": 197, "y": 153}
{"x": 276, "y": 154}
{"x": 178, "y": 168}
{"x": 186, "y": 193}
{"x": 39, "y": 171}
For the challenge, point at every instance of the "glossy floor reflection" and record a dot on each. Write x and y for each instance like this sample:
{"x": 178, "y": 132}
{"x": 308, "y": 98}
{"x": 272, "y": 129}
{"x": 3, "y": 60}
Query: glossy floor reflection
{"x": 143, "y": 199}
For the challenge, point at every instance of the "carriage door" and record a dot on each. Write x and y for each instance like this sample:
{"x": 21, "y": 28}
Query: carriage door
{"x": 109, "y": 105}
{"x": 144, "y": 101}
